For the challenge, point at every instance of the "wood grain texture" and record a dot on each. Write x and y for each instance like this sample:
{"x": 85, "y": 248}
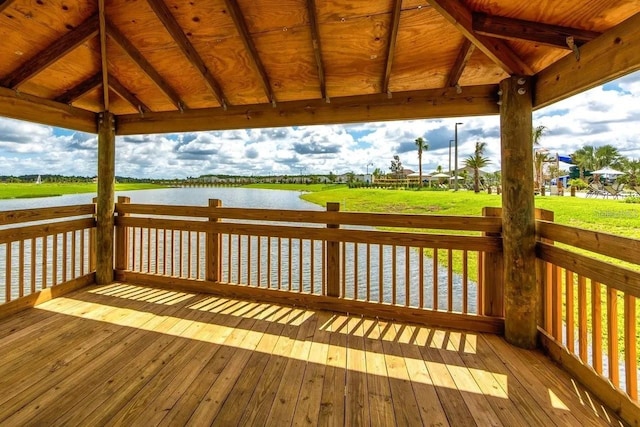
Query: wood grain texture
{"x": 478, "y": 100}
{"x": 42, "y": 214}
{"x": 127, "y": 95}
{"x": 391, "y": 46}
{"x": 80, "y": 89}
{"x": 466, "y": 50}
{"x": 106, "y": 199}
{"x": 611, "y": 55}
{"x": 518, "y": 226}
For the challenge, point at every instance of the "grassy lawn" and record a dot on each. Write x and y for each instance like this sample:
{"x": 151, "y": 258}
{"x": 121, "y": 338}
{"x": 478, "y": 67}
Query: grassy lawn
{"x": 18, "y": 191}
{"x": 312, "y": 188}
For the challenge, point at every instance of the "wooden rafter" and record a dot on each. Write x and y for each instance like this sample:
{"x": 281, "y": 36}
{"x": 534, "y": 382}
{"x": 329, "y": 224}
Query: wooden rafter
{"x": 464, "y": 54}
{"x": 137, "y": 57}
{"x": 517, "y": 29}
{"x": 476, "y": 100}
{"x": 391, "y": 45}
{"x": 614, "y": 54}
{"x": 164, "y": 14}
{"x": 127, "y": 95}
{"x": 51, "y": 54}
{"x": 317, "y": 47}
{"x": 80, "y": 89}
{"x": 103, "y": 55}
{"x": 497, "y": 50}
{"x": 241, "y": 26}
{"x": 34, "y": 109}
{"x": 4, "y": 4}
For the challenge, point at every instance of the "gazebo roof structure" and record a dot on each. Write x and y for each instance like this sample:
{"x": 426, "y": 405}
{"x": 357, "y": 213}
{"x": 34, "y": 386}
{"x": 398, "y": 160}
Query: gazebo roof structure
{"x": 169, "y": 66}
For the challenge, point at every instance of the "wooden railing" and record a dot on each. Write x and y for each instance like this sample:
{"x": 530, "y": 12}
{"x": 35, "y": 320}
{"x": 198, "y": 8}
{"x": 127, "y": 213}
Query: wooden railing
{"x": 332, "y": 259}
{"x": 590, "y": 298}
{"x": 44, "y": 252}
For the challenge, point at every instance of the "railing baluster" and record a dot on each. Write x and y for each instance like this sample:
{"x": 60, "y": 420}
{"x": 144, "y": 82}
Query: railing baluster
{"x": 450, "y": 280}
{"x": 239, "y": 259}
{"x": 556, "y": 301}
{"x": 64, "y": 256}
{"x": 355, "y": 271}
{"x": 548, "y": 297}
{"x": 172, "y": 253}
{"x": 290, "y": 264}
{"x": 612, "y": 336}
{"x": 596, "y": 325}
{"x": 229, "y": 258}
{"x": 630, "y": 346}
{"x": 368, "y": 267}
{"x": 465, "y": 281}
{"x": 323, "y": 277}
{"x": 148, "y": 269}
{"x": 343, "y": 269}
{"x": 141, "y": 269}
{"x": 421, "y": 279}
{"x": 82, "y": 271}
{"x": 300, "y": 270}
{"x": 481, "y": 286}
{"x": 134, "y": 248}
{"x": 33, "y": 263}
{"x": 74, "y": 254}
{"x": 279, "y": 262}
{"x": 7, "y": 272}
{"x": 312, "y": 268}
{"x": 54, "y": 261}
{"x": 157, "y": 258}
{"x": 45, "y": 240}
{"x": 180, "y": 252}
{"x": 380, "y": 272}
{"x": 394, "y": 272}
{"x": 269, "y": 262}
{"x": 21, "y": 269}
{"x": 570, "y": 324}
{"x": 198, "y": 254}
{"x": 582, "y": 317}
{"x": 407, "y": 276}
{"x": 259, "y": 272}
{"x": 435, "y": 278}
{"x": 249, "y": 260}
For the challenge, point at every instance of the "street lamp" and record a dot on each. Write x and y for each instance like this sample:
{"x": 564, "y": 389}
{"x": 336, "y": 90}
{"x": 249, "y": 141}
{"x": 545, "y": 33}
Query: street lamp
{"x": 369, "y": 164}
{"x": 450, "y": 141}
{"x": 456, "y": 159}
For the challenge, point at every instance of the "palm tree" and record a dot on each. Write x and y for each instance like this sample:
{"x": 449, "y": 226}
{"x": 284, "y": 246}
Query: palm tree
{"x": 536, "y": 134}
{"x": 585, "y": 159}
{"x": 422, "y": 145}
{"x": 539, "y": 159}
{"x": 607, "y": 155}
{"x": 477, "y": 161}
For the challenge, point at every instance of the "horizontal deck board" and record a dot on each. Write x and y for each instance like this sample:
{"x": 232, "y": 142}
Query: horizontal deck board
{"x": 131, "y": 355}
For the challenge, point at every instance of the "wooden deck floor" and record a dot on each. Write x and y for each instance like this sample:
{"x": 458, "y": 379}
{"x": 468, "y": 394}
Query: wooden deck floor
{"x": 129, "y": 355}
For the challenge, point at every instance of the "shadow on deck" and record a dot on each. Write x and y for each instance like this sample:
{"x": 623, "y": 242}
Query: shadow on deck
{"x": 131, "y": 355}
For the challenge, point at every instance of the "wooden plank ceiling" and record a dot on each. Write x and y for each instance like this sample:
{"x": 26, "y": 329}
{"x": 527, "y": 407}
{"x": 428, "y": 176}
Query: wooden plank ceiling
{"x": 242, "y": 56}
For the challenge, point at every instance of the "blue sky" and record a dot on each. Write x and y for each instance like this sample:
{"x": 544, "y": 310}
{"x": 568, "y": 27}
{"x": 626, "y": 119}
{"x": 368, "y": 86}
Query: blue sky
{"x": 609, "y": 114}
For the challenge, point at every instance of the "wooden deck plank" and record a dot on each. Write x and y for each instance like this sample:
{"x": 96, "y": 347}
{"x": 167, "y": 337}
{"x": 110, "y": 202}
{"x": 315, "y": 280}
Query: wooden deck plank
{"x": 404, "y": 402}
{"x": 284, "y": 404}
{"x": 541, "y": 391}
{"x": 332, "y": 403}
{"x": 130, "y": 355}
{"x": 235, "y": 403}
{"x": 381, "y": 409}
{"x": 308, "y": 405}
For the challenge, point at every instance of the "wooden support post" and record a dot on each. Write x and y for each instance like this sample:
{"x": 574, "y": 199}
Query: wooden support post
{"x": 333, "y": 258}
{"x": 92, "y": 239}
{"x": 214, "y": 260}
{"x": 106, "y": 195}
{"x": 518, "y": 225}
{"x": 122, "y": 240}
{"x": 492, "y": 269}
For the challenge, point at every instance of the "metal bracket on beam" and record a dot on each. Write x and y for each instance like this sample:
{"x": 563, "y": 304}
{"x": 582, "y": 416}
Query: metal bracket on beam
{"x": 389, "y": 94}
{"x": 458, "y": 88}
{"x": 572, "y": 45}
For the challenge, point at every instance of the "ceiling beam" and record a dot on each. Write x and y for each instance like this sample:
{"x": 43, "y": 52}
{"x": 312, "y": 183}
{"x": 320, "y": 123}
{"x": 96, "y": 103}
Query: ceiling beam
{"x": 164, "y": 15}
{"x": 517, "y": 29}
{"x": 103, "y": 55}
{"x": 614, "y": 54}
{"x": 33, "y": 109}
{"x": 464, "y": 54}
{"x": 4, "y": 4}
{"x": 127, "y": 95}
{"x": 317, "y": 47}
{"x": 80, "y": 89}
{"x": 245, "y": 36}
{"x": 137, "y": 57}
{"x": 434, "y": 103}
{"x": 85, "y": 31}
{"x": 391, "y": 45}
{"x": 497, "y": 50}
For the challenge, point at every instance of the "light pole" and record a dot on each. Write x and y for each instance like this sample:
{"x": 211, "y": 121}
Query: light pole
{"x": 456, "y": 155}
{"x": 369, "y": 164}
{"x": 450, "y": 141}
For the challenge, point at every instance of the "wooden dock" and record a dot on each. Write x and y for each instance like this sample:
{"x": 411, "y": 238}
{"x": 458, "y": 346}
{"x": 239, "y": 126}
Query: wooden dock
{"x": 130, "y": 355}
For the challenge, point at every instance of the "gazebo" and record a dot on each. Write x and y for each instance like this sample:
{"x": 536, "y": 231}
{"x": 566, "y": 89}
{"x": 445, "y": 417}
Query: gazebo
{"x": 116, "y": 67}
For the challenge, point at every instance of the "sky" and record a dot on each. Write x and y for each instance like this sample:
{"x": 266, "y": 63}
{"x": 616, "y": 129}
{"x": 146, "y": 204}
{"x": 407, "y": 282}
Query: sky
{"x": 609, "y": 114}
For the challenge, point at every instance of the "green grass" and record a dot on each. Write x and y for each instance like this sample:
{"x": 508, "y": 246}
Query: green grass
{"x": 297, "y": 187}
{"x": 24, "y": 191}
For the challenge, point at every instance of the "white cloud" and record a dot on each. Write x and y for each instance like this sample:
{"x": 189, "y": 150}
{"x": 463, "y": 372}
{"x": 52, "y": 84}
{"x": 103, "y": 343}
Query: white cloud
{"x": 604, "y": 115}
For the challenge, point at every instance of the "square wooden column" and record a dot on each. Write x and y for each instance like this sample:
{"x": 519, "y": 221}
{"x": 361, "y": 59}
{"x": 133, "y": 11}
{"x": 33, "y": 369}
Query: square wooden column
{"x": 518, "y": 221}
{"x": 106, "y": 198}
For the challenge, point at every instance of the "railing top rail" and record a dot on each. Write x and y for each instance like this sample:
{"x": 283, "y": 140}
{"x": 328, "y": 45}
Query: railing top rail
{"x": 42, "y": 214}
{"x": 610, "y": 245}
{"x": 442, "y": 222}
